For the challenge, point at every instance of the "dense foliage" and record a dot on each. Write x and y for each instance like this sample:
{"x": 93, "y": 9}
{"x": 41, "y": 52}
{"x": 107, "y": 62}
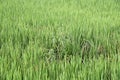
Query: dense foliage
{"x": 59, "y": 39}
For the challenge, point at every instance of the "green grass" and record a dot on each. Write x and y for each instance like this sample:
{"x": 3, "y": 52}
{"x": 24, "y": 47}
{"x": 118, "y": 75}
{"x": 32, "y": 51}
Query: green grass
{"x": 59, "y": 39}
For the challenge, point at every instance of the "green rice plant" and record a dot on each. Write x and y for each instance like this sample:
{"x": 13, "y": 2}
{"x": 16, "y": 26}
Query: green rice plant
{"x": 59, "y": 40}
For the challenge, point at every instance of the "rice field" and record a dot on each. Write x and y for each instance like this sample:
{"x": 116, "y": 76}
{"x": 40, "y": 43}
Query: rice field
{"x": 59, "y": 39}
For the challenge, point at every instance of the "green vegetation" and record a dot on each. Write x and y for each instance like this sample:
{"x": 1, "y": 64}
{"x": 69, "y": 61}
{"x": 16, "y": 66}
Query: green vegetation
{"x": 59, "y": 39}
